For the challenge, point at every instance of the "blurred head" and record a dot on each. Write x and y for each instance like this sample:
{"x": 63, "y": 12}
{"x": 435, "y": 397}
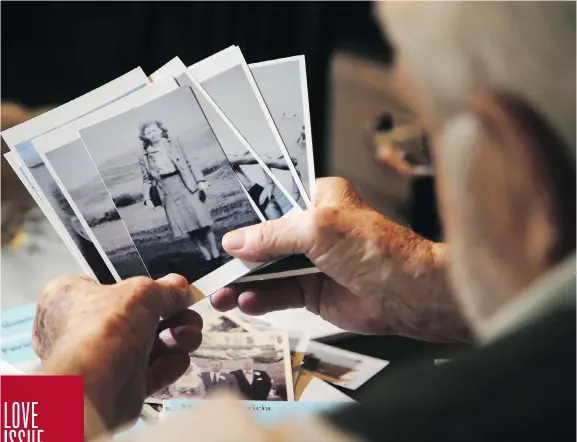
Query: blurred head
{"x": 151, "y": 133}
{"x": 494, "y": 84}
{"x": 215, "y": 365}
{"x": 247, "y": 364}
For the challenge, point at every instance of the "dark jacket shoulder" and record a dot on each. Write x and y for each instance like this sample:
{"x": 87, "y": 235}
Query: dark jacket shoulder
{"x": 521, "y": 387}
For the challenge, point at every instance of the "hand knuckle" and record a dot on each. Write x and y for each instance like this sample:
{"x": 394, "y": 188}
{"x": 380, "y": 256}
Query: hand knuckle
{"x": 324, "y": 219}
{"x": 139, "y": 286}
{"x": 143, "y": 283}
{"x": 60, "y": 286}
{"x": 341, "y": 182}
{"x": 266, "y": 234}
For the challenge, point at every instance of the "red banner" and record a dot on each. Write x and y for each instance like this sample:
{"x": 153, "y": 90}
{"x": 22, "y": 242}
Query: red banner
{"x": 42, "y": 409}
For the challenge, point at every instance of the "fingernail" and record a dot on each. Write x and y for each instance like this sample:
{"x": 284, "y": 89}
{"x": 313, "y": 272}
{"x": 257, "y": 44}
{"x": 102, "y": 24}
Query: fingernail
{"x": 177, "y": 281}
{"x": 167, "y": 337}
{"x": 234, "y": 240}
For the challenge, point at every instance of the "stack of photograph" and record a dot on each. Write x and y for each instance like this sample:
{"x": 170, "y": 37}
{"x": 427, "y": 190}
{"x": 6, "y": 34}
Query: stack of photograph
{"x": 145, "y": 175}
{"x": 234, "y": 357}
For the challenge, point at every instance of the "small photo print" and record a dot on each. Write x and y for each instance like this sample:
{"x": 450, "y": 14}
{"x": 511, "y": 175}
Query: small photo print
{"x": 171, "y": 183}
{"x": 340, "y": 367}
{"x": 255, "y": 366}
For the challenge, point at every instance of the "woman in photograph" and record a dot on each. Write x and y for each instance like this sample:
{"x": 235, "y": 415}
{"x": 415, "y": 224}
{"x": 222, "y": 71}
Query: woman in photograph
{"x": 173, "y": 182}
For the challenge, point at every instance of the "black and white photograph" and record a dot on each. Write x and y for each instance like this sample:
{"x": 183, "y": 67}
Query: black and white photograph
{"x": 270, "y": 198}
{"x": 182, "y": 193}
{"x": 289, "y": 110}
{"x": 240, "y": 100}
{"x": 254, "y": 366}
{"x": 78, "y": 177}
{"x": 20, "y": 139}
{"x": 59, "y": 205}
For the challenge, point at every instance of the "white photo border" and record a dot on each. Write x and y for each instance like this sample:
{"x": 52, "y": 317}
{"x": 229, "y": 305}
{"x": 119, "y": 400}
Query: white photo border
{"x": 21, "y": 173}
{"x": 58, "y": 117}
{"x": 228, "y": 59}
{"x": 187, "y": 79}
{"x": 306, "y": 110}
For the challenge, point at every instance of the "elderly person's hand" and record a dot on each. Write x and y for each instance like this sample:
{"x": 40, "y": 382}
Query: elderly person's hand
{"x": 378, "y": 277}
{"x": 112, "y": 335}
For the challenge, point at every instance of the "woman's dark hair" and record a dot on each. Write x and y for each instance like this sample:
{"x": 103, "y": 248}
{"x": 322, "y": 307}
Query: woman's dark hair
{"x": 145, "y": 141}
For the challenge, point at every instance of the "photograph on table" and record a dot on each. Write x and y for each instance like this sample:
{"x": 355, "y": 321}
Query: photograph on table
{"x": 227, "y": 79}
{"x": 81, "y": 184}
{"x": 254, "y": 173}
{"x": 164, "y": 154}
{"x": 289, "y": 109}
{"x": 254, "y": 366}
{"x": 225, "y": 322}
{"x": 20, "y": 140}
{"x": 340, "y": 367}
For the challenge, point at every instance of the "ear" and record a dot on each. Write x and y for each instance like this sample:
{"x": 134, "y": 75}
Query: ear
{"x": 524, "y": 181}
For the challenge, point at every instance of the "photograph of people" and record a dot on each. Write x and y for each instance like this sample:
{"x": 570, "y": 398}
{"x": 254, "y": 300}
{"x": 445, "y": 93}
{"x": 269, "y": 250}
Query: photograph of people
{"x": 171, "y": 184}
{"x": 264, "y": 196}
{"x": 215, "y": 378}
{"x": 179, "y": 186}
{"x": 253, "y": 384}
{"x": 191, "y": 385}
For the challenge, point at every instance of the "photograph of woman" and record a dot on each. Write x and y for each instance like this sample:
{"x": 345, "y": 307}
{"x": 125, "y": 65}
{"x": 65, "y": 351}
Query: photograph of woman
{"x": 176, "y": 184}
{"x": 173, "y": 187}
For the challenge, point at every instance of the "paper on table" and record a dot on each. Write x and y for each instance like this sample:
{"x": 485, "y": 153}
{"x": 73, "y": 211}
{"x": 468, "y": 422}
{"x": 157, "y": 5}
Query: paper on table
{"x": 19, "y": 353}
{"x": 320, "y": 391}
{"x": 17, "y": 321}
{"x": 267, "y": 413}
{"x": 343, "y": 368}
{"x": 6, "y": 368}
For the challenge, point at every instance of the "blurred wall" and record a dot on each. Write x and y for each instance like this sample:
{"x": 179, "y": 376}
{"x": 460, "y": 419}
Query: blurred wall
{"x": 53, "y": 52}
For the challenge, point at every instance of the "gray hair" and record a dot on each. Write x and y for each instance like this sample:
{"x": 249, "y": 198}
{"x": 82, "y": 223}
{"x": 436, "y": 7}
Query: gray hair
{"x": 452, "y": 50}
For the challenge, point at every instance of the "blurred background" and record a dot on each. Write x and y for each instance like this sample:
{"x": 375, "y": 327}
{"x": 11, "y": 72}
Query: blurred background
{"x": 53, "y": 52}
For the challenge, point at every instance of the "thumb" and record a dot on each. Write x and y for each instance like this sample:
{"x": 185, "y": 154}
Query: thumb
{"x": 270, "y": 240}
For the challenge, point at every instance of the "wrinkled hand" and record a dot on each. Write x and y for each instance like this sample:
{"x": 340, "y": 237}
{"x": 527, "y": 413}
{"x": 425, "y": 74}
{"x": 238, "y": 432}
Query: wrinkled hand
{"x": 379, "y": 277}
{"x": 203, "y": 185}
{"x": 112, "y": 335}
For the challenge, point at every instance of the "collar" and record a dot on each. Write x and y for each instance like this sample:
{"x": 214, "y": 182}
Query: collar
{"x": 151, "y": 149}
{"x": 556, "y": 290}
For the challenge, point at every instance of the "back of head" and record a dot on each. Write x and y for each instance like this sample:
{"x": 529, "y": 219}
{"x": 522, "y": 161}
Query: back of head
{"x": 494, "y": 83}
{"x": 453, "y": 50}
